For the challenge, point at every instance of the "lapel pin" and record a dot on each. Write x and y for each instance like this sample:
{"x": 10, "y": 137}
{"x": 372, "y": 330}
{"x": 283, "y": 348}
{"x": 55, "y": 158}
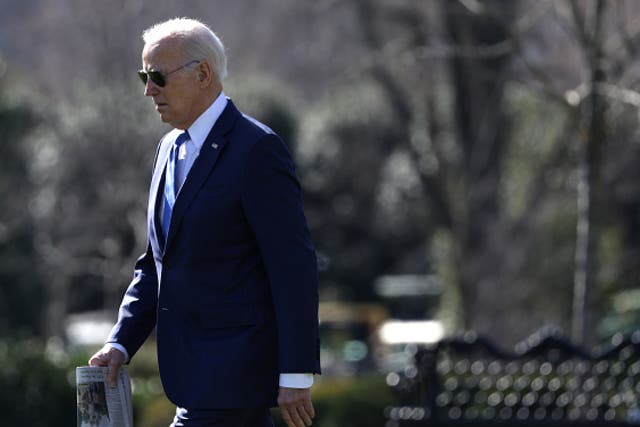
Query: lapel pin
{"x": 215, "y": 146}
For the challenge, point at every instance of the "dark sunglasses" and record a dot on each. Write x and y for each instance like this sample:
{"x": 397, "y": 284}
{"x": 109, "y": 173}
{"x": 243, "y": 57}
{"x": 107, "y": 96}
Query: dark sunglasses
{"x": 161, "y": 79}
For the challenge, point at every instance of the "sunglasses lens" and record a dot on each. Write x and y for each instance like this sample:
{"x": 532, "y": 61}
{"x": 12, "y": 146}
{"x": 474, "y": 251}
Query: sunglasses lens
{"x": 143, "y": 76}
{"x": 157, "y": 78}
{"x": 154, "y": 76}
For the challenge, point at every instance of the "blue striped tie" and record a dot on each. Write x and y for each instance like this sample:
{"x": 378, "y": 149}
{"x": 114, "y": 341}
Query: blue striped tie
{"x": 170, "y": 183}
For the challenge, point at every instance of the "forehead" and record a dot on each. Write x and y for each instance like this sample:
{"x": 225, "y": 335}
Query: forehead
{"x": 162, "y": 54}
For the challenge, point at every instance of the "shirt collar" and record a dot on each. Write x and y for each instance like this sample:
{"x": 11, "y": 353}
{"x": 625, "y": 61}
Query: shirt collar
{"x": 200, "y": 129}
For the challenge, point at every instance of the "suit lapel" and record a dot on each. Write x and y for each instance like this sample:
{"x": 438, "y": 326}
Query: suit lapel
{"x": 153, "y": 208}
{"x": 202, "y": 167}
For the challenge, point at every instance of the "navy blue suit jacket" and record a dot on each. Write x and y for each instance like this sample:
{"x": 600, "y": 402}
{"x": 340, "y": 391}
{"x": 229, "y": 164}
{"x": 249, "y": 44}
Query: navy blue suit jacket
{"x": 233, "y": 291}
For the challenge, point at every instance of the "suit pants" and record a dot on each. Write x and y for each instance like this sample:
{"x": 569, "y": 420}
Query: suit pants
{"x": 250, "y": 417}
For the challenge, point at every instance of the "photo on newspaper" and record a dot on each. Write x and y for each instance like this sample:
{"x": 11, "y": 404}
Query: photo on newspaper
{"x": 99, "y": 404}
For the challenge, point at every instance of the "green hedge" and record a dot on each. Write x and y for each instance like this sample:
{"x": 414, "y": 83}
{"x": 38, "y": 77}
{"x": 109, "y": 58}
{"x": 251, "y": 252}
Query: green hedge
{"x": 343, "y": 402}
{"x": 37, "y": 389}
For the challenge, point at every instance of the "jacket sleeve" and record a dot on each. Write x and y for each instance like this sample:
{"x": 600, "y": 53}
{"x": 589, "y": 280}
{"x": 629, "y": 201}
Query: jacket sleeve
{"x": 137, "y": 314}
{"x": 273, "y": 206}
{"x": 138, "y": 309}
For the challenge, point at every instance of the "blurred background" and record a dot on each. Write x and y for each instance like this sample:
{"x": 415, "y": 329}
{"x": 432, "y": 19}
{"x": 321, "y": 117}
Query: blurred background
{"x": 466, "y": 165}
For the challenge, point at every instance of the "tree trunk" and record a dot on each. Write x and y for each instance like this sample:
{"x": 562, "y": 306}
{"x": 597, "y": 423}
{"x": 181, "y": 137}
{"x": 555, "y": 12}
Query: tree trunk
{"x": 589, "y": 185}
{"x": 481, "y": 123}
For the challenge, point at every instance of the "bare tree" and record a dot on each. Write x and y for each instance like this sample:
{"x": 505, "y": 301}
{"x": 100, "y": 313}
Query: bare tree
{"x": 593, "y": 137}
{"x": 477, "y": 50}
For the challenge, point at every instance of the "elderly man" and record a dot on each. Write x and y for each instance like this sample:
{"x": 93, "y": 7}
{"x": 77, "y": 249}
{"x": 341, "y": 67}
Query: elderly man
{"x": 229, "y": 276}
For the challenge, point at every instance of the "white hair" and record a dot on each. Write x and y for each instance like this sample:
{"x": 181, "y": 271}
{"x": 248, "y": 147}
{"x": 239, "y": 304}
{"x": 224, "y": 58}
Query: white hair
{"x": 197, "y": 39}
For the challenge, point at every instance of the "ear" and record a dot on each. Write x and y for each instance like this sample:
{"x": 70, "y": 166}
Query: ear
{"x": 206, "y": 76}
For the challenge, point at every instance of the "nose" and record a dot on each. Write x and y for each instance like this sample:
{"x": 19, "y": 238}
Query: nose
{"x": 150, "y": 88}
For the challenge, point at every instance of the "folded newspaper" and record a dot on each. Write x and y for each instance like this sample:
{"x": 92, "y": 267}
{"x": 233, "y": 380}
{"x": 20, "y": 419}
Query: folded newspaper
{"x": 100, "y": 405}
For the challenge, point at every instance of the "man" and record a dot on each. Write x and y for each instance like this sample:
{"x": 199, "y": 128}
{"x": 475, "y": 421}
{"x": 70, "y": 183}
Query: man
{"x": 229, "y": 275}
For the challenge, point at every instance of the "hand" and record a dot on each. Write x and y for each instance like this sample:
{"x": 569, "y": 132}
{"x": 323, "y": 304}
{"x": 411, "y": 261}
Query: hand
{"x": 295, "y": 406}
{"x": 110, "y": 357}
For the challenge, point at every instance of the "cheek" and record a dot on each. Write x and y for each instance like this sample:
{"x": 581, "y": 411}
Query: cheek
{"x": 180, "y": 101}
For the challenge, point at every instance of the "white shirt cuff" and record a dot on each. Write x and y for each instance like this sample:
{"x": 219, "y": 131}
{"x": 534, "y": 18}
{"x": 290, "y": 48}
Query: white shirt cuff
{"x": 118, "y": 347}
{"x": 296, "y": 380}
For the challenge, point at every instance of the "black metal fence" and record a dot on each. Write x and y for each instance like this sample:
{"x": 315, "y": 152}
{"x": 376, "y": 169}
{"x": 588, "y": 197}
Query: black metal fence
{"x": 545, "y": 381}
